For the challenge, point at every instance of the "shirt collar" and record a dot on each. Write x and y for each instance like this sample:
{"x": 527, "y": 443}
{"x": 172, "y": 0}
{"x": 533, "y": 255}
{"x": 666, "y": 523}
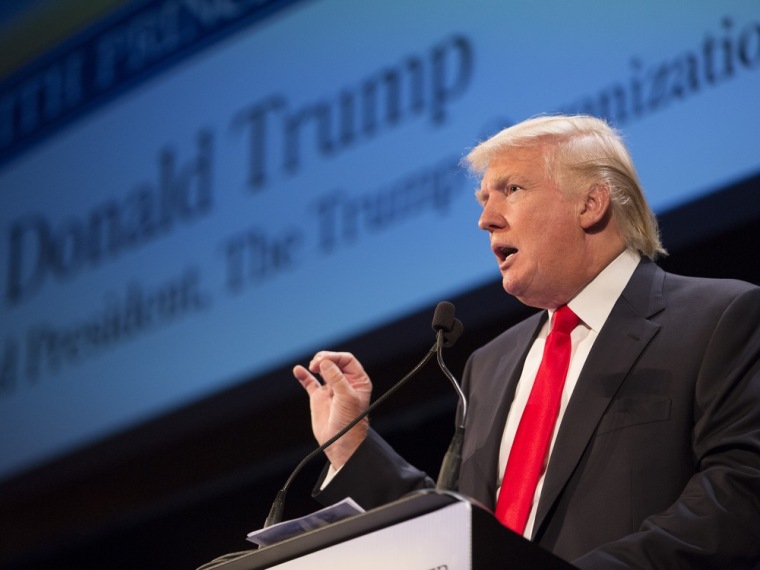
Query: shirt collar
{"x": 595, "y": 301}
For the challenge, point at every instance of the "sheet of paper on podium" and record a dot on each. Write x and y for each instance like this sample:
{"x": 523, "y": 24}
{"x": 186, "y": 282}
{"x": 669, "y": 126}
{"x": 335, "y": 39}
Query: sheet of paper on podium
{"x": 287, "y": 529}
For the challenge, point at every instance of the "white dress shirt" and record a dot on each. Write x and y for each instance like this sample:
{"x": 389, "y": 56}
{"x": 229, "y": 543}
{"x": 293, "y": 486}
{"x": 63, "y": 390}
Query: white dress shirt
{"x": 592, "y": 305}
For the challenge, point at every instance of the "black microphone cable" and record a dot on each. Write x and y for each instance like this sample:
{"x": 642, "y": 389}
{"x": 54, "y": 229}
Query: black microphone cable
{"x": 447, "y": 333}
{"x": 275, "y": 513}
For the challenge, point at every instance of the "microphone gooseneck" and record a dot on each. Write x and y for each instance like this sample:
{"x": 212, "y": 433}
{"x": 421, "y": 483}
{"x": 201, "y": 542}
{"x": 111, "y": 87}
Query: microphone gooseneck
{"x": 444, "y": 342}
{"x": 448, "y": 332}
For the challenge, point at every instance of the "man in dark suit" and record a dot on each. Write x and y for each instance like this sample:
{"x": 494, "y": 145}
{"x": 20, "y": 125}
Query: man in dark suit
{"x": 653, "y": 453}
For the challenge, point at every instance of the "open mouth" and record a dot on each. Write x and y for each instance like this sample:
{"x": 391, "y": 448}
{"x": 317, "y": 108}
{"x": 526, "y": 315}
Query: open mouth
{"x": 504, "y": 252}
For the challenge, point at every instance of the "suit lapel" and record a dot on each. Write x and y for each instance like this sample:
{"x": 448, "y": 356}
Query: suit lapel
{"x": 625, "y": 335}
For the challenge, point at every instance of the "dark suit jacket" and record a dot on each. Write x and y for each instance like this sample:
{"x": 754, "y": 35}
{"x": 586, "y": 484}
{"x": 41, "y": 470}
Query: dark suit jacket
{"x": 657, "y": 460}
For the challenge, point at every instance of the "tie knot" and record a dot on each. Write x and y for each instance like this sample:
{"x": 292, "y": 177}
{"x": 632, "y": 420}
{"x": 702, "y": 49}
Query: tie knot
{"x": 564, "y": 320}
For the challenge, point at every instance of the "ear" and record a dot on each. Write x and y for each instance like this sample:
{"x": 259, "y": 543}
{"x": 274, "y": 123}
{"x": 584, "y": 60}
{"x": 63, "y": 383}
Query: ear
{"x": 595, "y": 207}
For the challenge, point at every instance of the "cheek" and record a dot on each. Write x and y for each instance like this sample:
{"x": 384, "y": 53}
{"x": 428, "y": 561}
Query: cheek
{"x": 555, "y": 248}
{"x": 545, "y": 239}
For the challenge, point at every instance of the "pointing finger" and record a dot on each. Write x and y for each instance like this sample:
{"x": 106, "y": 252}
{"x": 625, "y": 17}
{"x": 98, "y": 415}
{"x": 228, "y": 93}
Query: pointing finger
{"x": 306, "y": 379}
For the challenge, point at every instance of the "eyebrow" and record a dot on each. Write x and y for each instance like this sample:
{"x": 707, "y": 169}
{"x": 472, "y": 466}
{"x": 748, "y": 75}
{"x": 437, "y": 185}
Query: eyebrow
{"x": 500, "y": 181}
{"x": 495, "y": 183}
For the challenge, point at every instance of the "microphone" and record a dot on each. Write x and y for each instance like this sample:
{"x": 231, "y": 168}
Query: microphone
{"x": 448, "y": 330}
{"x": 444, "y": 321}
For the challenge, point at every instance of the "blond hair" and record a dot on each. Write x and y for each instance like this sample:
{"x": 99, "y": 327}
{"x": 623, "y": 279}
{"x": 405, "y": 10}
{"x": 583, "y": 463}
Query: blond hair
{"x": 588, "y": 151}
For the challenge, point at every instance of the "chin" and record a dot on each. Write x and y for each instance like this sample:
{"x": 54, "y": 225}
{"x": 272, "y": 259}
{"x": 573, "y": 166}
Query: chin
{"x": 524, "y": 296}
{"x": 512, "y": 288}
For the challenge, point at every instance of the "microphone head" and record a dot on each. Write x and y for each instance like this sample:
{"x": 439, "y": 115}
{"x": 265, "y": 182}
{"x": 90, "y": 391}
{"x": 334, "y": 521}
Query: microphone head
{"x": 450, "y": 337}
{"x": 443, "y": 318}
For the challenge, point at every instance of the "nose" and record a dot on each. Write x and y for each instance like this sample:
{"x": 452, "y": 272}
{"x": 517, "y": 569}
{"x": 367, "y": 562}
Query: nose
{"x": 492, "y": 217}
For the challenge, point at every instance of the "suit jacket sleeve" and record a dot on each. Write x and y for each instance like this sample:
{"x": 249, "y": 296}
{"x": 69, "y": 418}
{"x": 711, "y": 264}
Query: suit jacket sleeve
{"x": 373, "y": 476}
{"x": 715, "y": 523}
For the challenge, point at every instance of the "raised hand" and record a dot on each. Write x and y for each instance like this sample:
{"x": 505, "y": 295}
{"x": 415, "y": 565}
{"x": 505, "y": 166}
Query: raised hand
{"x": 345, "y": 393}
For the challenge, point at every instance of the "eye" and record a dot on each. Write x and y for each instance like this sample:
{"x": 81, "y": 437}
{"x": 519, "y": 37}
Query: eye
{"x": 512, "y": 188}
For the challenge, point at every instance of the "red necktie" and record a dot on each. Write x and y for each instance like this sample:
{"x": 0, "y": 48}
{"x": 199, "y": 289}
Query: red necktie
{"x": 534, "y": 432}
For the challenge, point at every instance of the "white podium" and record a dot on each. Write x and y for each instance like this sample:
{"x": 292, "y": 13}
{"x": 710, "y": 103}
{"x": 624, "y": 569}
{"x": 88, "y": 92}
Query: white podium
{"x": 423, "y": 531}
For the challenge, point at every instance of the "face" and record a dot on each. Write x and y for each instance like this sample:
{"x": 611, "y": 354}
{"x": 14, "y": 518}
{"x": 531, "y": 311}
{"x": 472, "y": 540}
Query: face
{"x": 535, "y": 229}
